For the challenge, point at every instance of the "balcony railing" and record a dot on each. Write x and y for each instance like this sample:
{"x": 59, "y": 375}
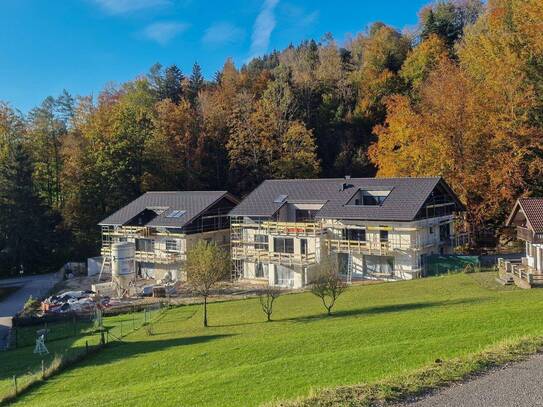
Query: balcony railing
{"x": 283, "y": 228}
{"x": 264, "y": 256}
{"x": 528, "y": 235}
{"x": 127, "y": 231}
{"x": 355, "y": 246}
{"x": 160, "y": 257}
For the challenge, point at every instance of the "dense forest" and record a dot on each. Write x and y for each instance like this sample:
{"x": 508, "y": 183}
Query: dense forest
{"x": 459, "y": 96}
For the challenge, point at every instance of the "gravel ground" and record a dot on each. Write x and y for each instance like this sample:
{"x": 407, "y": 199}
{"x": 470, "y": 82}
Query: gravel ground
{"x": 515, "y": 385}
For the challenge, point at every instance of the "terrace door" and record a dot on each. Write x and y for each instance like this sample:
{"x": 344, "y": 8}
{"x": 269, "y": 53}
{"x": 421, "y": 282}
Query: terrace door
{"x": 284, "y": 277}
{"x": 378, "y": 265}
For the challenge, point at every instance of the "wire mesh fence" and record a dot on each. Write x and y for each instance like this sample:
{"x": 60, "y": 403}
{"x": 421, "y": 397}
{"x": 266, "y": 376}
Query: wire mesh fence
{"x": 67, "y": 341}
{"x": 119, "y": 322}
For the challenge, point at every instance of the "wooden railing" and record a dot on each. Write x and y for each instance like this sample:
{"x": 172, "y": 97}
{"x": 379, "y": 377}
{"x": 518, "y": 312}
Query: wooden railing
{"x": 528, "y": 235}
{"x": 355, "y": 246}
{"x": 309, "y": 229}
{"x": 128, "y": 231}
{"x": 161, "y": 257}
{"x": 264, "y": 256}
{"x": 519, "y": 269}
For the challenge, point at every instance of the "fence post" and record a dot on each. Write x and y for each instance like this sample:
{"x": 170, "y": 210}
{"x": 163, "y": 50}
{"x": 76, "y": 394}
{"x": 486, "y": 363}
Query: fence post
{"x": 121, "y": 328}
{"x": 15, "y": 383}
{"x": 87, "y": 347}
{"x": 42, "y": 369}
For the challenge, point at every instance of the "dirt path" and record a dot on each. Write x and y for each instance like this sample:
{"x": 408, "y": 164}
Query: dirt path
{"x": 516, "y": 385}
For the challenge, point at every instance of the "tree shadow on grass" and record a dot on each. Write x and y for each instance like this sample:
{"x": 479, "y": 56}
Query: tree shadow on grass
{"x": 384, "y": 309}
{"x": 117, "y": 351}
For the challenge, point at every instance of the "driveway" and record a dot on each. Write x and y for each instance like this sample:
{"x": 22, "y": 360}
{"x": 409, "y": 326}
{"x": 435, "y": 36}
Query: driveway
{"x": 516, "y": 385}
{"x": 36, "y": 286}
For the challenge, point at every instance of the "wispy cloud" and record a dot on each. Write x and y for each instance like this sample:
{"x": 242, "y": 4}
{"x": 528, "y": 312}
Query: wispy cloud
{"x": 127, "y": 6}
{"x": 309, "y": 19}
{"x": 263, "y": 27}
{"x": 164, "y": 32}
{"x": 222, "y": 33}
{"x": 298, "y": 17}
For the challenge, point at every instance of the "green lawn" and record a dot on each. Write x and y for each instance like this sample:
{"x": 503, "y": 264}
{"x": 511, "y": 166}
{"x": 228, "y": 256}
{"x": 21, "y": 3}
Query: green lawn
{"x": 379, "y": 331}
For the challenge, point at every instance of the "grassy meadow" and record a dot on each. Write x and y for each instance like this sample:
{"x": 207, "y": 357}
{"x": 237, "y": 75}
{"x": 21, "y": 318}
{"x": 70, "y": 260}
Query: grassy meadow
{"x": 378, "y": 332}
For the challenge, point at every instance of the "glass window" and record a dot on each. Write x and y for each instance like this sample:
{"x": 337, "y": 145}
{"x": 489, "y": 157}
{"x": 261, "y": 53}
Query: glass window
{"x": 303, "y": 246}
{"x": 145, "y": 245}
{"x": 373, "y": 199}
{"x": 172, "y": 245}
{"x": 304, "y": 215}
{"x": 261, "y": 270}
{"x": 261, "y": 242}
{"x": 383, "y": 235}
{"x": 358, "y": 235}
{"x": 283, "y": 245}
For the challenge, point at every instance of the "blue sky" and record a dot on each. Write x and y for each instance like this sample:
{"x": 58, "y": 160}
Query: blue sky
{"x": 81, "y": 45}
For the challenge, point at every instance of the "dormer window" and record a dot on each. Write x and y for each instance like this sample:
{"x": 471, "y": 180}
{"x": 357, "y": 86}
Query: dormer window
{"x": 369, "y": 197}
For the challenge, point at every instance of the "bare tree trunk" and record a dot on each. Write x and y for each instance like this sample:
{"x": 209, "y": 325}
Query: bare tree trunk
{"x": 205, "y": 311}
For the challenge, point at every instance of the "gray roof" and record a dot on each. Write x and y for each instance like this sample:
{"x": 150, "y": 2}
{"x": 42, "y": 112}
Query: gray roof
{"x": 407, "y": 196}
{"x": 193, "y": 203}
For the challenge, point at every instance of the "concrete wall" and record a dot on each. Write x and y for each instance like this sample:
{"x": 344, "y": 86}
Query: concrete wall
{"x": 534, "y": 255}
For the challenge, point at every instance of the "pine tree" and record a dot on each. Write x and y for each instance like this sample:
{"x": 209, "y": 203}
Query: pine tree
{"x": 27, "y": 229}
{"x": 196, "y": 83}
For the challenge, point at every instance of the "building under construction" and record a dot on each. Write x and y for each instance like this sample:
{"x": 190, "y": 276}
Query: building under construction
{"x": 162, "y": 226}
{"x": 375, "y": 228}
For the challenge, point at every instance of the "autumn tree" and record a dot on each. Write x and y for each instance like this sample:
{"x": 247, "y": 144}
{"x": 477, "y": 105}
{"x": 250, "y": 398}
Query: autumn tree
{"x": 206, "y": 265}
{"x": 476, "y": 121}
{"x": 297, "y": 157}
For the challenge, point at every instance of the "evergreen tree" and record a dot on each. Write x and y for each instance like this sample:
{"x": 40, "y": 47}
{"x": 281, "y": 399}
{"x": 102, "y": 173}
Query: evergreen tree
{"x": 28, "y": 239}
{"x": 196, "y": 83}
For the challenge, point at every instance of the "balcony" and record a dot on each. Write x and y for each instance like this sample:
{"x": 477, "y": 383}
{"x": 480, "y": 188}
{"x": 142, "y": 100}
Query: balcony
{"x": 127, "y": 231}
{"x": 275, "y": 228}
{"x": 159, "y": 257}
{"x": 355, "y": 246}
{"x": 527, "y": 235}
{"x": 290, "y": 259}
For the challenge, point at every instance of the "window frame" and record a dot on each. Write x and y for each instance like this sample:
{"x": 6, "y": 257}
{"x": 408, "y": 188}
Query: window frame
{"x": 283, "y": 246}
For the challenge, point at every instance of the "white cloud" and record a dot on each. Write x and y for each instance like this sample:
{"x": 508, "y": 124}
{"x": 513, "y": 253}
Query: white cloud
{"x": 222, "y": 33}
{"x": 164, "y": 32}
{"x": 263, "y": 27}
{"x": 127, "y": 6}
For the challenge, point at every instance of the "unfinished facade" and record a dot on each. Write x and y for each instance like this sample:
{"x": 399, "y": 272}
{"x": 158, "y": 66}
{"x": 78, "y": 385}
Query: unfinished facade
{"x": 377, "y": 228}
{"x": 164, "y": 225}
